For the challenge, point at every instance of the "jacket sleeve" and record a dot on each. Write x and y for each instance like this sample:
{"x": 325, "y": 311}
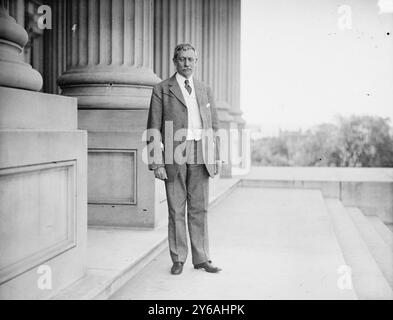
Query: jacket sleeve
{"x": 213, "y": 110}
{"x": 155, "y": 154}
{"x": 215, "y": 122}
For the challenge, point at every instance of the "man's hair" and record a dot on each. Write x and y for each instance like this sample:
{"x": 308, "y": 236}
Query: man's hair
{"x": 182, "y": 47}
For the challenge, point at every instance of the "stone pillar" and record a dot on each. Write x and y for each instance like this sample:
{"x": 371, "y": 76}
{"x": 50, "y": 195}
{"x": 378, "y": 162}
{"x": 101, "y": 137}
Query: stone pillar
{"x": 241, "y": 141}
{"x": 55, "y": 49}
{"x": 42, "y": 178}
{"x": 16, "y": 9}
{"x": 234, "y": 78}
{"x": 14, "y": 72}
{"x": 109, "y": 70}
{"x": 109, "y": 53}
{"x": 217, "y": 52}
{"x": 176, "y": 22}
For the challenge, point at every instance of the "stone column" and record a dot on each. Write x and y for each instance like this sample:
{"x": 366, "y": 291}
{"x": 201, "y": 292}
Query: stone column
{"x": 14, "y": 72}
{"x": 109, "y": 53}
{"x": 242, "y": 154}
{"x": 42, "y": 177}
{"x": 16, "y": 9}
{"x": 109, "y": 69}
{"x": 176, "y": 22}
{"x": 217, "y": 53}
{"x": 55, "y": 49}
{"x": 234, "y": 30}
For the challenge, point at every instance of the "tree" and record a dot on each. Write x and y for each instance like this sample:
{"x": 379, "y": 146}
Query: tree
{"x": 356, "y": 141}
{"x": 365, "y": 141}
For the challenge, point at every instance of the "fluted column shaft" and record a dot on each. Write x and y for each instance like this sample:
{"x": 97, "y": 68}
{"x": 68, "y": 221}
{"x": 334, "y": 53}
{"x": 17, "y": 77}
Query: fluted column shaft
{"x": 208, "y": 25}
{"x": 235, "y": 15}
{"x": 16, "y": 9}
{"x": 109, "y": 52}
{"x": 176, "y": 22}
{"x": 115, "y": 33}
{"x": 55, "y": 50}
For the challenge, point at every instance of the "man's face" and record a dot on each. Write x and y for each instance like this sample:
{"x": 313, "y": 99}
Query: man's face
{"x": 185, "y": 62}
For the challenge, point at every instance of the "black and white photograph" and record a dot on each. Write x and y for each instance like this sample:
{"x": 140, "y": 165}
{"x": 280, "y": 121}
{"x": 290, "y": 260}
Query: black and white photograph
{"x": 187, "y": 151}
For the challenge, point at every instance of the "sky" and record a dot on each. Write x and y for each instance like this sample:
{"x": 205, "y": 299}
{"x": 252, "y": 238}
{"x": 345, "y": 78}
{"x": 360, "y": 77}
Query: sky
{"x": 303, "y": 62}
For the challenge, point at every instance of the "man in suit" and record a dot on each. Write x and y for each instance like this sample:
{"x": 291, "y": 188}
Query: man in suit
{"x": 183, "y": 119}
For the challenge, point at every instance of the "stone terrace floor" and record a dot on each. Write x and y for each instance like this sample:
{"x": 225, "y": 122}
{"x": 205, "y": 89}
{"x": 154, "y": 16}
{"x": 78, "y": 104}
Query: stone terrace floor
{"x": 270, "y": 243}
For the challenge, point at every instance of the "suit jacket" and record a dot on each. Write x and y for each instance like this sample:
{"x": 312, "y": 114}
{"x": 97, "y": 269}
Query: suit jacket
{"x": 167, "y": 106}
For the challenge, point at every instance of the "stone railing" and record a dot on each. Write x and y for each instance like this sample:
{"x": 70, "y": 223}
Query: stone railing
{"x": 370, "y": 189}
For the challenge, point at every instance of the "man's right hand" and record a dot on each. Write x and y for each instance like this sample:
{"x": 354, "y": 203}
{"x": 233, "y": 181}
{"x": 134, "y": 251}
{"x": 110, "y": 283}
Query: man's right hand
{"x": 160, "y": 173}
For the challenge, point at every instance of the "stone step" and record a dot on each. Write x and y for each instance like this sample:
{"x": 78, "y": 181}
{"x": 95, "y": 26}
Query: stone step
{"x": 367, "y": 278}
{"x": 110, "y": 269}
{"x": 116, "y": 255}
{"x": 382, "y": 230}
{"x": 377, "y": 247}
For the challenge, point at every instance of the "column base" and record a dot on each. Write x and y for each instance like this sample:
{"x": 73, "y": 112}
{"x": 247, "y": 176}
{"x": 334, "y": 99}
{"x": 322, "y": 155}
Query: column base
{"x": 122, "y": 192}
{"x": 109, "y": 87}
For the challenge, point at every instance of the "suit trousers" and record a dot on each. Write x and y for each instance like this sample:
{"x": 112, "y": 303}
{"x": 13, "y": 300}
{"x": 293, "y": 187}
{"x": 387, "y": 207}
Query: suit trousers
{"x": 190, "y": 189}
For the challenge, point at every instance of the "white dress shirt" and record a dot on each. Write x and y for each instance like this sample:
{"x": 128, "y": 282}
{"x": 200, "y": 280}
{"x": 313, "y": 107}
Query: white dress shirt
{"x": 194, "y": 131}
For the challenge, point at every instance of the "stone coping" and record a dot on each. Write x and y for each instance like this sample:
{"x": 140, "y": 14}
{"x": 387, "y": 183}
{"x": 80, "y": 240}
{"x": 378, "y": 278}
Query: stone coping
{"x": 320, "y": 174}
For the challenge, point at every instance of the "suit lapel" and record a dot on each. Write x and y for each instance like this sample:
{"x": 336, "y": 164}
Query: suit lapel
{"x": 175, "y": 89}
{"x": 199, "y": 93}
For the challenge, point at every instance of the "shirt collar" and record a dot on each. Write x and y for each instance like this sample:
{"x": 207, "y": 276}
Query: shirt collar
{"x": 181, "y": 79}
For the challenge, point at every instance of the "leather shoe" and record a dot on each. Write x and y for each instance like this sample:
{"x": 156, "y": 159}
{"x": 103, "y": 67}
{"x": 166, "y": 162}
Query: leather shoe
{"x": 207, "y": 266}
{"x": 177, "y": 268}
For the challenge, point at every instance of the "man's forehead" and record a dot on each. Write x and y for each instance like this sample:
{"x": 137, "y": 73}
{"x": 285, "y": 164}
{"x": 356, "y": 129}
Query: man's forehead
{"x": 186, "y": 53}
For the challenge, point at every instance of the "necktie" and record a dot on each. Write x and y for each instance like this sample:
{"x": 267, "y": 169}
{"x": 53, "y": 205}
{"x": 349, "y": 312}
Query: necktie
{"x": 188, "y": 87}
